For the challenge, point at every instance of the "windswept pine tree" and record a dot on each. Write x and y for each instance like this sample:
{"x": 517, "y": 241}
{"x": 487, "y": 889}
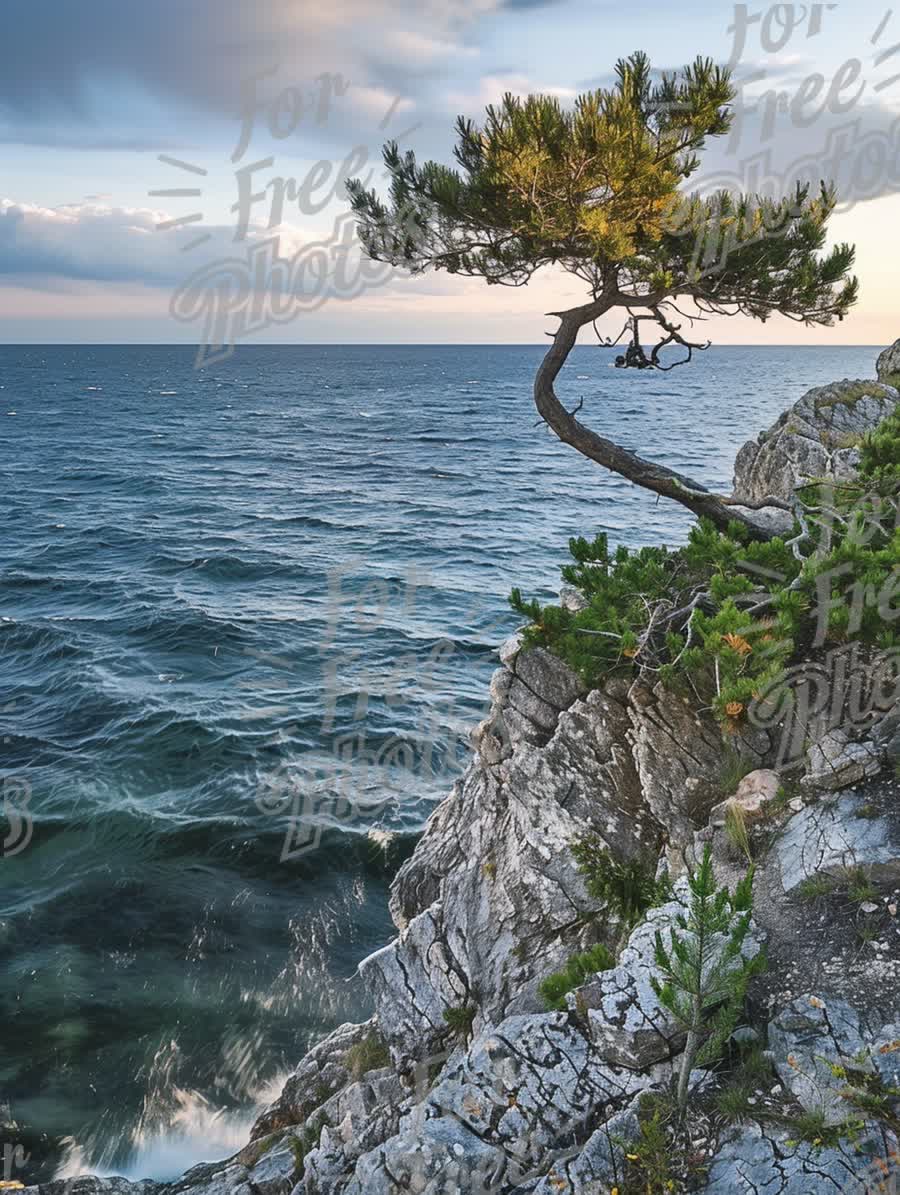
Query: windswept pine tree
{"x": 599, "y": 190}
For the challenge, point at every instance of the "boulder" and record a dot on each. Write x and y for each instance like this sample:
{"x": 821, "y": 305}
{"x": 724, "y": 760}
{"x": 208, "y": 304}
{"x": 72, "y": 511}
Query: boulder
{"x": 835, "y": 835}
{"x": 834, "y": 762}
{"x": 888, "y": 366}
{"x": 759, "y": 1159}
{"x": 818, "y": 436}
{"x": 755, "y": 791}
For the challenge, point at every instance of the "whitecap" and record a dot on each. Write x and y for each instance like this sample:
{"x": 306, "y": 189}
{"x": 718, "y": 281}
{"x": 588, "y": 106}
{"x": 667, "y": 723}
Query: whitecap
{"x": 382, "y": 838}
{"x": 170, "y": 1140}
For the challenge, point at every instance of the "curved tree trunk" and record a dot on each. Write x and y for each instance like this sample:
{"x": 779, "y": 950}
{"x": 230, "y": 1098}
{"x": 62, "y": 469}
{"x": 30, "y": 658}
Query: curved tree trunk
{"x": 654, "y": 477}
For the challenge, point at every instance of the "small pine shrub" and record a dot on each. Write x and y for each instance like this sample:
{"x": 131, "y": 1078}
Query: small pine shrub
{"x": 704, "y": 973}
{"x": 370, "y": 1054}
{"x": 627, "y": 887}
{"x": 460, "y": 1019}
{"x": 578, "y": 970}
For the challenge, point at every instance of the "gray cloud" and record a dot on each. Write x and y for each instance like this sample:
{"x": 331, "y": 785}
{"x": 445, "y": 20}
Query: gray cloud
{"x": 79, "y": 60}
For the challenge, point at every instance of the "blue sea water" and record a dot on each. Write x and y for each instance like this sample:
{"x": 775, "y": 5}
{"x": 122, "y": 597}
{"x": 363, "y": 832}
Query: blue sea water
{"x": 248, "y": 615}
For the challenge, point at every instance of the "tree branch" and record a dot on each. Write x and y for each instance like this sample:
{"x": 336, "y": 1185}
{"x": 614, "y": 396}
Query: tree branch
{"x": 656, "y": 478}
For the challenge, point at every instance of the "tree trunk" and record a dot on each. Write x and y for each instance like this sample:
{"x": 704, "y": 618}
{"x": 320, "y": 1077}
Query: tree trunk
{"x": 690, "y": 1053}
{"x": 656, "y": 478}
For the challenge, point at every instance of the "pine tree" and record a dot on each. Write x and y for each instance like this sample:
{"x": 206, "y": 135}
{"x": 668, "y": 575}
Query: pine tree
{"x": 705, "y": 974}
{"x": 598, "y": 190}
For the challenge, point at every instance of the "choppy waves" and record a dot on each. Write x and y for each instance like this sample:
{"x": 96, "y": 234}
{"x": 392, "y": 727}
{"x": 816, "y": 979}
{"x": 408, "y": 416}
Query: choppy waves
{"x": 224, "y": 617}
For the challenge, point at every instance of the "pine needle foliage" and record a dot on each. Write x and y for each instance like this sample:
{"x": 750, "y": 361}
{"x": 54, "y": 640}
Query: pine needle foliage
{"x": 578, "y": 970}
{"x": 598, "y": 188}
{"x": 626, "y": 887}
{"x": 703, "y": 968}
{"x": 721, "y": 618}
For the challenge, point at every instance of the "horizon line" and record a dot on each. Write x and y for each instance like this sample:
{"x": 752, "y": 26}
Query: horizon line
{"x": 409, "y": 344}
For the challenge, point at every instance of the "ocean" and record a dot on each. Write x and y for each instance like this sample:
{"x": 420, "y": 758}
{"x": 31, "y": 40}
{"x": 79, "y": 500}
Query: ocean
{"x": 249, "y": 615}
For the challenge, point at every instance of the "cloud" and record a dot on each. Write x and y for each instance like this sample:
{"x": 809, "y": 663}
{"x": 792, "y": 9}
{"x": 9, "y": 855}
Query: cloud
{"x": 96, "y": 64}
{"x": 492, "y": 88}
{"x": 92, "y": 241}
{"x": 425, "y": 49}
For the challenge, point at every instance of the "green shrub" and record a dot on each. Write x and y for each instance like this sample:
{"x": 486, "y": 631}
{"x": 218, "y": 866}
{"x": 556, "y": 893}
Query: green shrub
{"x": 627, "y": 887}
{"x": 578, "y": 970}
{"x": 704, "y": 982}
{"x": 813, "y": 1127}
{"x": 651, "y": 1157}
{"x": 460, "y": 1019}
{"x": 370, "y": 1054}
{"x": 721, "y": 618}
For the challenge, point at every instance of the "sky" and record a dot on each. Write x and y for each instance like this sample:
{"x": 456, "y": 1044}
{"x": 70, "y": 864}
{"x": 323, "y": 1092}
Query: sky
{"x": 108, "y": 107}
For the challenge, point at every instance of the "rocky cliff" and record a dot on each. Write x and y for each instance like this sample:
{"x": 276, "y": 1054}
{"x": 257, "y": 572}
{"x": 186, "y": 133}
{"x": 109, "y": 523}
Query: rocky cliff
{"x": 464, "y": 1081}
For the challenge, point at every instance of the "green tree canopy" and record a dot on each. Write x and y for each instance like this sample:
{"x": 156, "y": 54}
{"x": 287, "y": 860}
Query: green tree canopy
{"x": 599, "y": 190}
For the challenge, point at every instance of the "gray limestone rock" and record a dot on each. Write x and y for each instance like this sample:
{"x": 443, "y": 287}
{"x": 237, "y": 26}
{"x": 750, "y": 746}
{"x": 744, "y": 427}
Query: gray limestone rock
{"x": 89, "y": 1184}
{"x": 835, "y": 762}
{"x": 508, "y": 1108}
{"x": 830, "y": 837}
{"x": 757, "y": 1160}
{"x": 888, "y": 364}
{"x": 818, "y": 436}
{"x": 806, "y": 1039}
{"x": 322, "y": 1072}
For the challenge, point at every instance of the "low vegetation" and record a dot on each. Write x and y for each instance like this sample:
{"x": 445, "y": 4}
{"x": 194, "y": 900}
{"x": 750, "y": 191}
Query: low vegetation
{"x": 737, "y": 1098}
{"x": 626, "y": 888}
{"x": 737, "y": 831}
{"x": 849, "y": 395}
{"x": 721, "y": 618}
{"x": 370, "y": 1054}
{"x": 578, "y": 970}
{"x": 460, "y": 1019}
{"x": 704, "y": 982}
